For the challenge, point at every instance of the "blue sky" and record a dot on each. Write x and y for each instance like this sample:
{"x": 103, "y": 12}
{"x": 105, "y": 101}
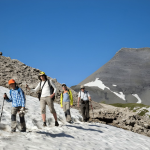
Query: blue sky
{"x": 71, "y": 39}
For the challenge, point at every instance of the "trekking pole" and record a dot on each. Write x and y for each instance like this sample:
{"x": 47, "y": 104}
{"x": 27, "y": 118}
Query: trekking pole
{"x": 2, "y": 108}
{"x": 92, "y": 109}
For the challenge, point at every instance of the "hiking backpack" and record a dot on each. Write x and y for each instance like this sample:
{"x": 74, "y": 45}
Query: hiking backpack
{"x": 51, "y": 90}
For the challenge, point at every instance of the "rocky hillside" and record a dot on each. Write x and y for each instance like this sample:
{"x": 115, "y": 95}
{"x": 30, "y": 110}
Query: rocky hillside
{"x": 23, "y": 74}
{"x": 126, "y": 75}
{"x": 123, "y": 118}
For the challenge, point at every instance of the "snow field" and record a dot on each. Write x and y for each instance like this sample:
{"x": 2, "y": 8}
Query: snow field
{"x": 77, "y": 136}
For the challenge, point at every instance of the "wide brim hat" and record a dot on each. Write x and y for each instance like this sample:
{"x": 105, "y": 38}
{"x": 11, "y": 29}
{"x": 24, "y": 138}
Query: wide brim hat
{"x": 82, "y": 87}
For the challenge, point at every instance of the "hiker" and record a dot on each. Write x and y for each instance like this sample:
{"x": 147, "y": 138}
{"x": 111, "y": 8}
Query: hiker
{"x": 17, "y": 98}
{"x": 47, "y": 93}
{"x": 84, "y": 97}
{"x": 66, "y": 100}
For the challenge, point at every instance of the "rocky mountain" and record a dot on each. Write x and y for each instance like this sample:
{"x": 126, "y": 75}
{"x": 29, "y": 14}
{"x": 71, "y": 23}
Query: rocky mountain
{"x": 23, "y": 74}
{"x": 124, "y": 79}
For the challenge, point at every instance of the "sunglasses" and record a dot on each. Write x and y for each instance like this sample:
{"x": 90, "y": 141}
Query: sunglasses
{"x": 42, "y": 75}
{"x": 82, "y": 88}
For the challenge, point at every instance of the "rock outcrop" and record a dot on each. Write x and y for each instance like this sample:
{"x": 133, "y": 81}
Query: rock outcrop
{"x": 120, "y": 117}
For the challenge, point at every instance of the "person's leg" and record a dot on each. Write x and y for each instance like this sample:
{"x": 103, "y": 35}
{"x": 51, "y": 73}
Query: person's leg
{"x": 22, "y": 122}
{"x": 68, "y": 111}
{"x": 50, "y": 104}
{"x": 87, "y": 110}
{"x": 83, "y": 111}
{"x": 64, "y": 109}
{"x": 13, "y": 118}
{"x": 43, "y": 108}
{"x": 55, "y": 116}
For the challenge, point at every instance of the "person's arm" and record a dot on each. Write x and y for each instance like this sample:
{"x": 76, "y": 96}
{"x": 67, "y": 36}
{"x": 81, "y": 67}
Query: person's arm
{"x": 61, "y": 100}
{"x": 79, "y": 99}
{"x": 23, "y": 100}
{"x": 89, "y": 96}
{"x": 71, "y": 98}
{"x": 53, "y": 85}
{"x": 7, "y": 98}
{"x": 34, "y": 90}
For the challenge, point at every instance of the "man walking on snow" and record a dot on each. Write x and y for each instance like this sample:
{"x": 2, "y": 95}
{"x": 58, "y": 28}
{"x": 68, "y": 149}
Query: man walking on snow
{"x": 46, "y": 97}
{"x": 84, "y": 97}
{"x": 18, "y": 105}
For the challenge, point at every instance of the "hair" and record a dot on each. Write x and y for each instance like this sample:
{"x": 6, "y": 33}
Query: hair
{"x": 40, "y": 78}
{"x": 65, "y": 87}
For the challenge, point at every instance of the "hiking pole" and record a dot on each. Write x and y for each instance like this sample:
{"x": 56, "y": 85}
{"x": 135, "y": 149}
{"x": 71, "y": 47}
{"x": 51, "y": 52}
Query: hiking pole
{"x": 2, "y": 107}
{"x": 92, "y": 109}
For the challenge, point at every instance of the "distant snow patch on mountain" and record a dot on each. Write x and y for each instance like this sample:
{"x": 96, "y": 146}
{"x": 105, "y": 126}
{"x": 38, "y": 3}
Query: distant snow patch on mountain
{"x": 97, "y": 83}
{"x": 120, "y": 94}
{"x": 101, "y": 85}
{"x": 136, "y": 96}
{"x": 114, "y": 85}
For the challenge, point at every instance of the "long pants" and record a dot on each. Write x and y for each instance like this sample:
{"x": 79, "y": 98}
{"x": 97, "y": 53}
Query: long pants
{"x": 66, "y": 108}
{"x": 13, "y": 118}
{"x": 85, "y": 110}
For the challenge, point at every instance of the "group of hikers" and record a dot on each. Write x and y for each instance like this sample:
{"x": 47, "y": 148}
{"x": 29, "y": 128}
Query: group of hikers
{"x": 46, "y": 90}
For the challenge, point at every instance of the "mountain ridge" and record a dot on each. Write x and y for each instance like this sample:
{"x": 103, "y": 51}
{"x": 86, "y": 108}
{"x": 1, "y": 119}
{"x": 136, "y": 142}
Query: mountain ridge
{"x": 128, "y": 70}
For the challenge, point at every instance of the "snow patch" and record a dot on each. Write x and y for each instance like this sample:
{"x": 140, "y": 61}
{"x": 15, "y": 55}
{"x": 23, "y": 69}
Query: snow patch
{"x": 101, "y": 85}
{"x": 136, "y": 96}
{"x": 97, "y": 83}
{"x": 114, "y": 85}
{"x": 120, "y": 94}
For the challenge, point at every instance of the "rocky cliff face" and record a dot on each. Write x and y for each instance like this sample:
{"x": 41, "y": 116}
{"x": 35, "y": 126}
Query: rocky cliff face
{"x": 127, "y": 72}
{"x": 23, "y": 74}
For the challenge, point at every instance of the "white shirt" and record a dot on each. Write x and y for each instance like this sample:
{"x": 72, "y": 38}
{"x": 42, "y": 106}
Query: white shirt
{"x": 46, "y": 88}
{"x": 84, "y": 95}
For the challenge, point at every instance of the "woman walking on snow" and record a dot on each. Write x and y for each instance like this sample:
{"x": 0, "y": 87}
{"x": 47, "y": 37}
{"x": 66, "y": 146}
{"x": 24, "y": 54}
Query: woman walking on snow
{"x": 18, "y": 105}
{"x": 66, "y": 101}
{"x": 46, "y": 96}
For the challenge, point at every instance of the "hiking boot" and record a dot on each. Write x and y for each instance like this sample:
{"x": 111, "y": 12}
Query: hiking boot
{"x": 70, "y": 121}
{"x": 44, "y": 124}
{"x": 56, "y": 123}
{"x": 23, "y": 130}
{"x": 13, "y": 130}
{"x": 87, "y": 120}
{"x": 84, "y": 121}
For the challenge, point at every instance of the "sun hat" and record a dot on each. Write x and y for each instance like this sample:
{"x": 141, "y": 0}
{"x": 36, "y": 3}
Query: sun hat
{"x": 82, "y": 87}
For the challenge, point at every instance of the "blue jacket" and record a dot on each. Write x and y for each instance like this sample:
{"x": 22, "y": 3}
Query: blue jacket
{"x": 17, "y": 97}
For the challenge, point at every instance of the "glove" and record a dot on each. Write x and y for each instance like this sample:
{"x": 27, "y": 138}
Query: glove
{"x": 22, "y": 111}
{"x": 5, "y": 96}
